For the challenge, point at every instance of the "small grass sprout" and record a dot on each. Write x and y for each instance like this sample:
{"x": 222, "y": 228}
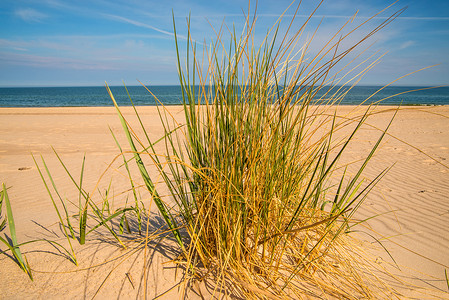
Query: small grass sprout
{"x": 12, "y": 243}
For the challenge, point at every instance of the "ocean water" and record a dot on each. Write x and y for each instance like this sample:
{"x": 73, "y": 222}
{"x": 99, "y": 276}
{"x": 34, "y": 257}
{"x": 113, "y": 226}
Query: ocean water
{"x": 171, "y": 95}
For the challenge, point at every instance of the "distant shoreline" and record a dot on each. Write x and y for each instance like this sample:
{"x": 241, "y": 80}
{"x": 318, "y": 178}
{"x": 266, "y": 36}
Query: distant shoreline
{"x": 177, "y": 85}
{"x": 172, "y": 95}
{"x": 180, "y": 105}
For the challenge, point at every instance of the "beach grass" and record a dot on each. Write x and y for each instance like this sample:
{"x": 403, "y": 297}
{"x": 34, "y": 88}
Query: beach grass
{"x": 258, "y": 200}
{"x": 253, "y": 183}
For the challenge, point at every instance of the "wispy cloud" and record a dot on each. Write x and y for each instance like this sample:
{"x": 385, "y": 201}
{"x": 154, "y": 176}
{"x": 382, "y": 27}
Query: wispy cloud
{"x": 51, "y": 62}
{"x": 141, "y": 24}
{"x": 406, "y": 44}
{"x": 14, "y": 45}
{"x": 30, "y": 15}
{"x": 137, "y": 23}
{"x": 64, "y": 52}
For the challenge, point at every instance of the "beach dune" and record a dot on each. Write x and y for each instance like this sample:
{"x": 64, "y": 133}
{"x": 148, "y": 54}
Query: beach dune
{"x": 411, "y": 201}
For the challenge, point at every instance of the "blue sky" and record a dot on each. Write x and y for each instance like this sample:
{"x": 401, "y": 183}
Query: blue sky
{"x": 88, "y": 42}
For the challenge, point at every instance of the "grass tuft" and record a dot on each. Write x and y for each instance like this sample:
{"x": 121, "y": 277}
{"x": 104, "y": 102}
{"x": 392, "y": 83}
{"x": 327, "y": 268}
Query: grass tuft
{"x": 258, "y": 201}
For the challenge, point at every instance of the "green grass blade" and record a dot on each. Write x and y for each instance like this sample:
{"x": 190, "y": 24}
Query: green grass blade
{"x": 81, "y": 212}
{"x": 447, "y": 279}
{"x": 10, "y": 218}
{"x": 54, "y": 204}
{"x": 83, "y": 223}
{"x": 15, "y": 250}
{"x": 3, "y": 224}
{"x": 12, "y": 230}
{"x": 53, "y": 243}
{"x": 136, "y": 201}
{"x": 103, "y": 221}
{"x": 67, "y": 218}
{"x": 171, "y": 223}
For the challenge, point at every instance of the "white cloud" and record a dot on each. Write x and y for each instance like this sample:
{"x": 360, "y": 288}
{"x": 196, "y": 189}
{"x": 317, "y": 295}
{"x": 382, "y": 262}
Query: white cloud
{"x": 30, "y": 15}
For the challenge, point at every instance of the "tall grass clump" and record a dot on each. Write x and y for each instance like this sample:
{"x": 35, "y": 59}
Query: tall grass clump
{"x": 258, "y": 199}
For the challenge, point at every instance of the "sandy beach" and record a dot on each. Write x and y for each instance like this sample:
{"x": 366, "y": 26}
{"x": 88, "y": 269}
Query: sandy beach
{"x": 411, "y": 201}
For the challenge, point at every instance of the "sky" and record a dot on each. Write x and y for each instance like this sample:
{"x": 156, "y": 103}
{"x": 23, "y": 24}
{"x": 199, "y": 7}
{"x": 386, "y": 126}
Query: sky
{"x": 88, "y": 42}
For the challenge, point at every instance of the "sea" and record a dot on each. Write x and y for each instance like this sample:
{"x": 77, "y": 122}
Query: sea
{"x": 171, "y": 95}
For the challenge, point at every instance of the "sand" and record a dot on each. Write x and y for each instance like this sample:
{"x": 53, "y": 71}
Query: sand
{"x": 411, "y": 200}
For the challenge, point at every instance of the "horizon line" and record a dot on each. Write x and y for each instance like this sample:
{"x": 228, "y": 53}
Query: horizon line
{"x": 173, "y": 85}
